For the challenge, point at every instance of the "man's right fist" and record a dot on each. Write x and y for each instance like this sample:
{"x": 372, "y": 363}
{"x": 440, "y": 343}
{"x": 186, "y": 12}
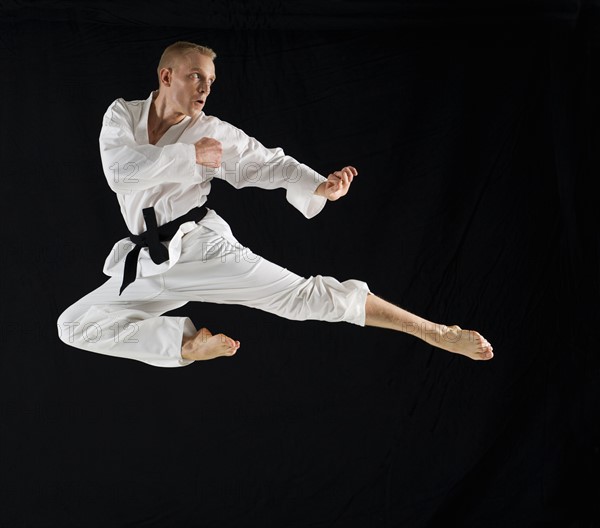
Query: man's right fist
{"x": 208, "y": 152}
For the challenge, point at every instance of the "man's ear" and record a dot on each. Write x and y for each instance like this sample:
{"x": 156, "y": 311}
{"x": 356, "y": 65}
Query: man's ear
{"x": 166, "y": 75}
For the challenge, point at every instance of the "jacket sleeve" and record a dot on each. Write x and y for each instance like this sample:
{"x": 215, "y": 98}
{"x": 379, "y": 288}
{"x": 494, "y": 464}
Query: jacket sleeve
{"x": 247, "y": 163}
{"x": 129, "y": 166}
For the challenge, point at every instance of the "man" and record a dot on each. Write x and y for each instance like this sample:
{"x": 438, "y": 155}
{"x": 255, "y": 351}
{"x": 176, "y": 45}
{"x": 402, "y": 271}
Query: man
{"x": 159, "y": 156}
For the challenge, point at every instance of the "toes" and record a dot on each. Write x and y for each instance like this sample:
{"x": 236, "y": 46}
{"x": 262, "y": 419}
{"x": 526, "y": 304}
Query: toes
{"x": 488, "y": 349}
{"x": 487, "y": 353}
{"x": 233, "y": 347}
{"x": 228, "y": 346}
{"x": 485, "y": 348}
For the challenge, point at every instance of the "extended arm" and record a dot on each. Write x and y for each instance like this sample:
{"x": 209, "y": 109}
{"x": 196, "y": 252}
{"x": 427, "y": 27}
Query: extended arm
{"x": 247, "y": 163}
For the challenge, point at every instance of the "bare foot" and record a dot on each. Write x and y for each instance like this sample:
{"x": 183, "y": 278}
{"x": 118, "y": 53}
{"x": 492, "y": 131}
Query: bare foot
{"x": 203, "y": 345}
{"x": 465, "y": 342}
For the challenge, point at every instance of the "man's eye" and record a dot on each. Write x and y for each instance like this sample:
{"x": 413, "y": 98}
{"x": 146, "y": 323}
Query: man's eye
{"x": 197, "y": 76}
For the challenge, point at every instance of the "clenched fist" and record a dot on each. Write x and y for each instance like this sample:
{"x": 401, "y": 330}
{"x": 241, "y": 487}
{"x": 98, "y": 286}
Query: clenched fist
{"x": 337, "y": 184}
{"x": 208, "y": 152}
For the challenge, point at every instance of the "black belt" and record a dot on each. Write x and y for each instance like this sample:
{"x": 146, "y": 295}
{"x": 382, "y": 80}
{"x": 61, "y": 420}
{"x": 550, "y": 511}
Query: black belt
{"x": 152, "y": 237}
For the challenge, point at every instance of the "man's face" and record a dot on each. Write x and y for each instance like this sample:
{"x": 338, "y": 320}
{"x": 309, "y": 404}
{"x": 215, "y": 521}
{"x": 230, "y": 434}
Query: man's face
{"x": 191, "y": 80}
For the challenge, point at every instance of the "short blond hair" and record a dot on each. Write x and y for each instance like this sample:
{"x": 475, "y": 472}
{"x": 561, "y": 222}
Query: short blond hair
{"x": 171, "y": 53}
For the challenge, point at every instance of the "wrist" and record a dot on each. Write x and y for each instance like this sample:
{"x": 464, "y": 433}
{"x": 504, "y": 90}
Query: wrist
{"x": 320, "y": 190}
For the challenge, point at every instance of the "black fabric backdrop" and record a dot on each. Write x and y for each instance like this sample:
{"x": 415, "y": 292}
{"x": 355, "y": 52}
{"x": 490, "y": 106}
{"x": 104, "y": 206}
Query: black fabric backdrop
{"x": 475, "y": 132}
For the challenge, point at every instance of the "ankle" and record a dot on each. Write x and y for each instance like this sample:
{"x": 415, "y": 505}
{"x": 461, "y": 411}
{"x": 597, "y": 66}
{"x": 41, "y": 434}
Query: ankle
{"x": 434, "y": 333}
{"x": 185, "y": 348}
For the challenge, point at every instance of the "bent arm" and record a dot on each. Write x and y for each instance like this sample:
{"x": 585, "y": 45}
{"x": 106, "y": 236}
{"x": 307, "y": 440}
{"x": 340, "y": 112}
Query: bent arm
{"x": 129, "y": 166}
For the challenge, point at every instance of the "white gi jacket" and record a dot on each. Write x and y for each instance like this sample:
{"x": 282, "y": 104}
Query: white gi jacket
{"x": 167, "y": 177}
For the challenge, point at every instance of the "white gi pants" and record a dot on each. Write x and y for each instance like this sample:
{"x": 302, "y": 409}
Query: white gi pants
{"x": 213, "y": 267}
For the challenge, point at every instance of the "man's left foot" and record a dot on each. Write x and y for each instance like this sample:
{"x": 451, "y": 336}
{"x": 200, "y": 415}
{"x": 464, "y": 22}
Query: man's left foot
{"x": 465, "y": 342}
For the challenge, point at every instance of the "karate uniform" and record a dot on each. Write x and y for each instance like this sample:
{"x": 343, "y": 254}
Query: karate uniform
{"x": 206, "y": 263}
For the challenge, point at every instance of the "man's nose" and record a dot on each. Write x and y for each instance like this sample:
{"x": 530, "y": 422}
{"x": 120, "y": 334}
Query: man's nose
{"x": 204, "y": 87}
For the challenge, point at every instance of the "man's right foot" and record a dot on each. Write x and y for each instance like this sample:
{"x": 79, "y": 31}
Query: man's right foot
{"x": 203, "y": 345}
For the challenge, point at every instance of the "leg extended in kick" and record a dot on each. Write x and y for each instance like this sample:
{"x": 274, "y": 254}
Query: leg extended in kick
{"x": 378, "y": 313}
{"x": 382, "y": 314}
{"x": 258, "y": 283}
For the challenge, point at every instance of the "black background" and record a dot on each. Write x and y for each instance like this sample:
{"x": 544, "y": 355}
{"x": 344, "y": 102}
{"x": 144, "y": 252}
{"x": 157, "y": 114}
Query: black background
{"x": 474, "y": 128}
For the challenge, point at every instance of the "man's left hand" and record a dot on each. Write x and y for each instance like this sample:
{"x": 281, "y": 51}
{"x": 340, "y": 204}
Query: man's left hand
{"x": 337, "y": 184}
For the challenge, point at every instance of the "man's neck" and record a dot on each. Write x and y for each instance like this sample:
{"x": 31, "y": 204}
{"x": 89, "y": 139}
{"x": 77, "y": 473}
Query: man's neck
{"x": 161, "y": 116}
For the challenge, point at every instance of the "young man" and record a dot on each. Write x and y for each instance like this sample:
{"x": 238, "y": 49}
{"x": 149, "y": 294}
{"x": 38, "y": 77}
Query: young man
{"x": 159, "y": 157}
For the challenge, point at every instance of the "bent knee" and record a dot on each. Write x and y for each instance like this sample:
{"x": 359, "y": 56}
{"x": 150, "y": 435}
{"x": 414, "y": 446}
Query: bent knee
{"x": 67, "y": 325}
